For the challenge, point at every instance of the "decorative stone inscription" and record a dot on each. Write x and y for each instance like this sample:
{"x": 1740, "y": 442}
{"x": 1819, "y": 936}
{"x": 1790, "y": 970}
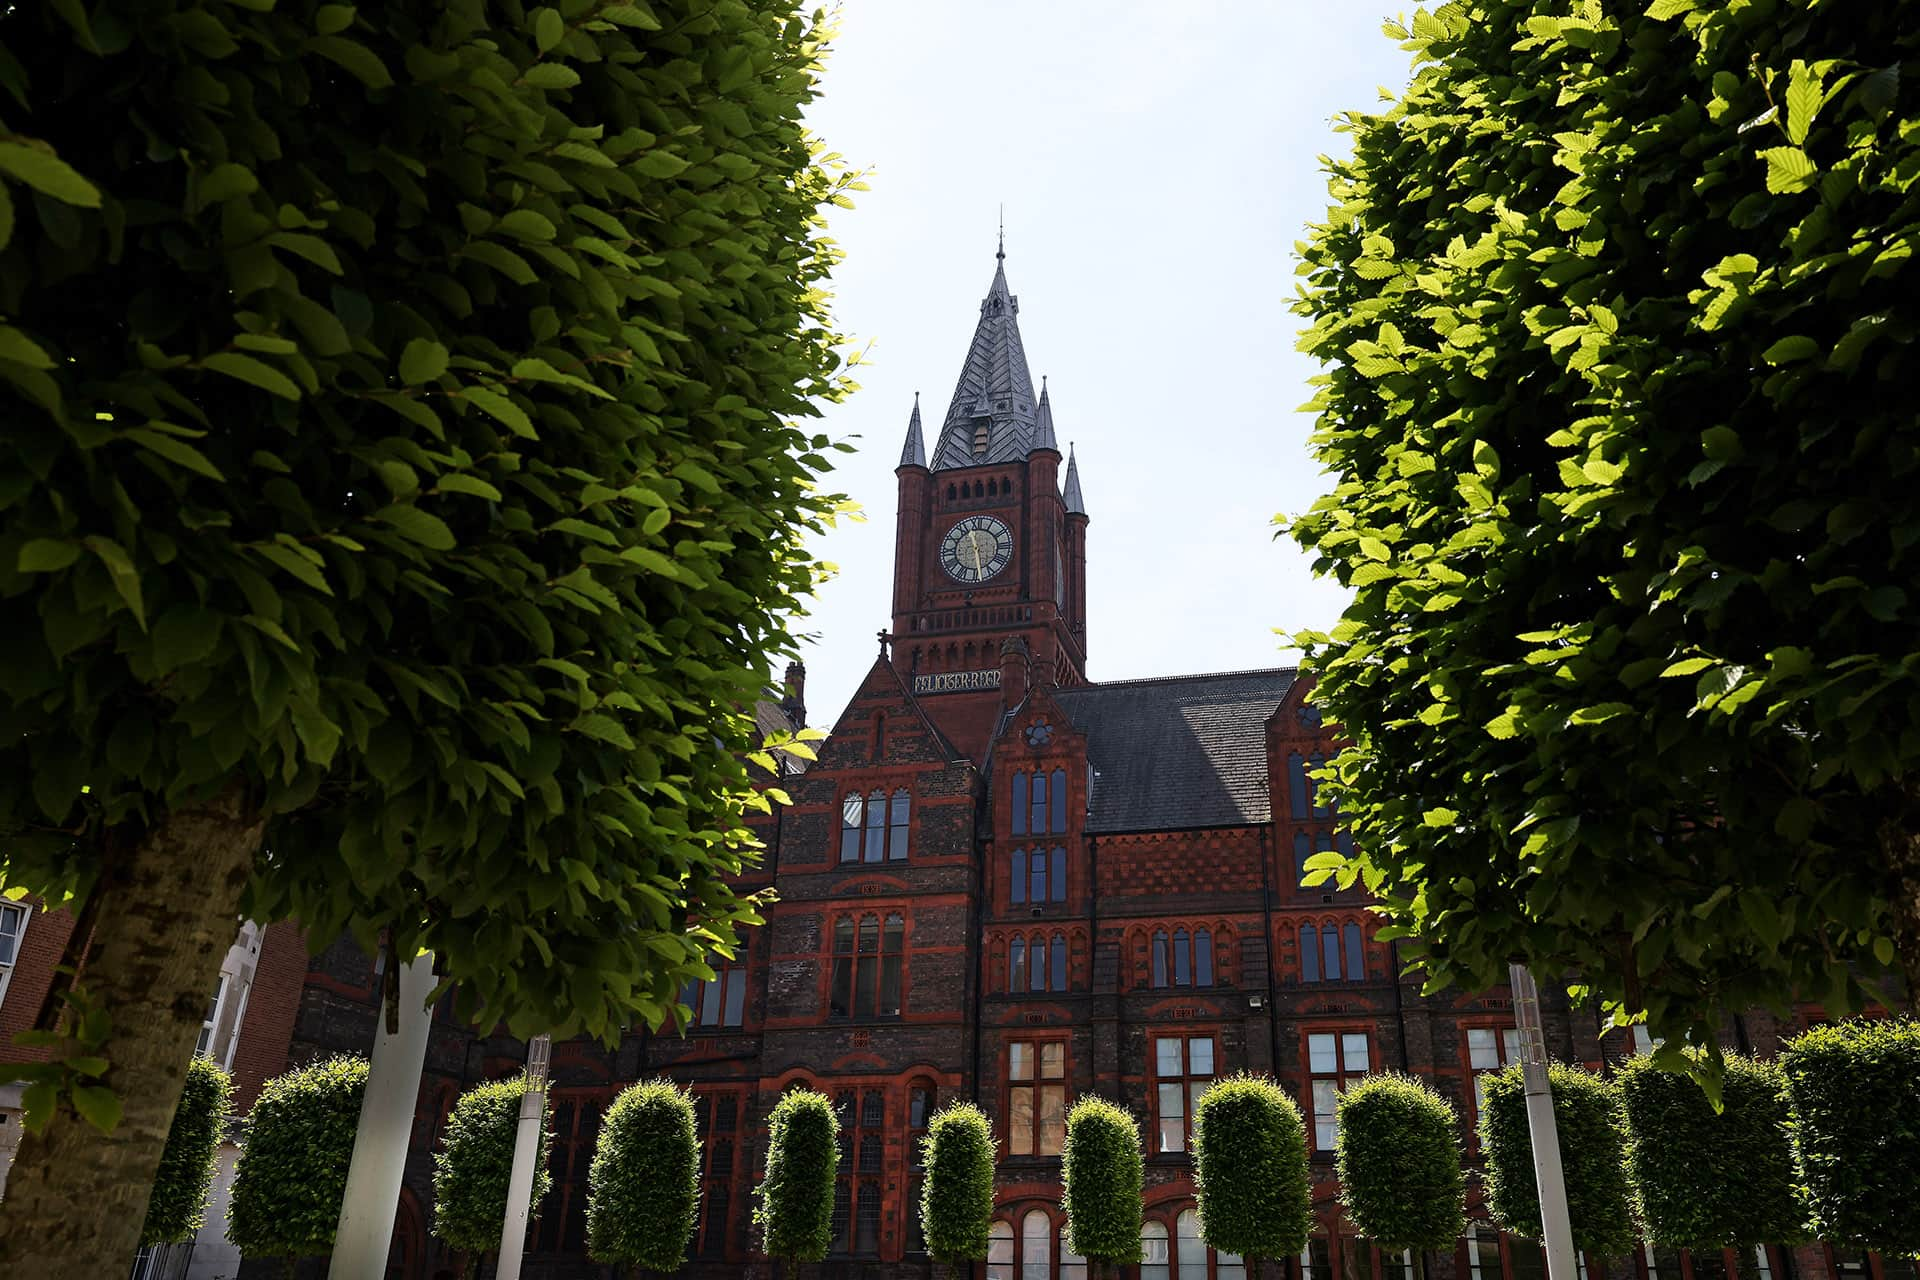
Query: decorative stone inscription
{"x": 956, "y": 681}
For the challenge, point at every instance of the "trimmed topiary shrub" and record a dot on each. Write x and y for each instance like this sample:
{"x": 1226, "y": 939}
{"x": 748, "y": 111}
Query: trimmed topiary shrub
{"x": 293, "y": 1168}
{"x": 1398, "y": 1157}
{"x": 1254, "y": 1193}
{"x": 1100, "y": 1177}
{"x": 1587, "y": 1114}
{"x": 475, "y": 1162}
{"x": 956, "y": 1200}
{"x": 179, "y": 1202}
{"x": 1853, "y": 1092}
{"x": 643, "y": 1188}
{"x": 793, "y": 1205}
{"x": 1702, "y": 1180}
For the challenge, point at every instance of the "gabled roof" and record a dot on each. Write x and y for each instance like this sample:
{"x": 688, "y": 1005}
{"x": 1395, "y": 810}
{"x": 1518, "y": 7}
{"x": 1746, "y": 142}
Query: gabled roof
{"x": 995, "y": 389}
{"x": 1178, "y": 752}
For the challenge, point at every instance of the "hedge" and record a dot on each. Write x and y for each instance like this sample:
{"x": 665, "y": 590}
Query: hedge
{"x": 1587, "y": 1113}
{"x": 1100, "y": 1181}
{"x": 1854, "y": 1093}
{"x": 793, "y": 1205}
{"x": 643, "y": 1187}
{"x": 179, "y": 1202}
{"x": 475, "y": 1163}
{"x": 1398, "y": 1159}
{"x": 292, "y": 1174}
{"x": 1251, "y": 1183}
{"x": 956, "y": 1198}
{"x": 1704, "y": 1180}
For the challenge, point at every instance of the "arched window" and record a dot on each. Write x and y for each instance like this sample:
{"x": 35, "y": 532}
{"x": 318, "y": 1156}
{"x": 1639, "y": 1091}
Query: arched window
{"x": 1160, "y": 957}
{"x": 1296, "y": 786}
{"x": 1039, "y": 812}
{"x": 1017, "y": 965}
{"x": 1036, "y": 1246}
{"x": 1309, "y": 953}
{"x": 1037, "y": 964}
{"x": 1072, "y": 1265}
{"x": 1037, "y": 883}
{"x": 867, "y": 972}
{"x": 893, "y": 946}
{"x": 852, "y": 816}
{"x": 993, "y": 488}
{"x": 950, "y": 493}
{"x": 1330, "y": 954}
{"x": 1182, "y": 959}
{"x": 1058, "y": 966}
{"x": 1017, "y": 882}
{"x": 1194, "y": 1255}
{"x": 876, "y": 826}
{"x": 1058, "y": 878}
{"x": 897, "y": 824}
{"x": 1344, "y": 843}
{"x": 1320, "y": 810}
{"x": 1356, "y": 953}
{"x": 1302, "y": 850}
{"x": 1154, "y": 1263}
{"x": 1000, "y": 1251}
{"x": 841, "y": 1002}
{"x": 980, "y": 442}
{"x": 1059, "y": 802}
{"x": 1202, "y": 958}
{"x": 1020, "y": 804}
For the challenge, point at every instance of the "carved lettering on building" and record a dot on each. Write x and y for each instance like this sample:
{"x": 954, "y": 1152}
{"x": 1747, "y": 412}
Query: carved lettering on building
{"x": 956, "y": 681}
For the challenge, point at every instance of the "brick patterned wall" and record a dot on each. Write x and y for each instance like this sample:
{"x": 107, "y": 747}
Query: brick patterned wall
{"x": 40, "y": 951}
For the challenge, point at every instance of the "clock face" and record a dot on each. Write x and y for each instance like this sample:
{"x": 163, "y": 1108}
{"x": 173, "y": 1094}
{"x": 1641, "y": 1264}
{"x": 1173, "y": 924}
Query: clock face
{"x": 976, "y": 549}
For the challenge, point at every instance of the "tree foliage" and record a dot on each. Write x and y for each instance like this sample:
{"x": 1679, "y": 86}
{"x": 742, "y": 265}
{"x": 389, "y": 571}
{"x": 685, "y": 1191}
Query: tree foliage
{"x": 643, "y": 1187}
{"x": 1586, "y": 1111}
{"x": 1398, "y": 1158}
{"x": 1706, "y": 1179}
{"x": 1251, "y": 1184}
{"x": 1100, "y": 1180}
{"x": 474, "y": 1165}
{"x": 180, "y": 1189}
{"x": 1854, "y": 1094}
{"x": 793, "y": 1205}
{"x": 1616, "y": 304}
{"x": 292, "y": 1174}
{"x": 956, "y": 1198}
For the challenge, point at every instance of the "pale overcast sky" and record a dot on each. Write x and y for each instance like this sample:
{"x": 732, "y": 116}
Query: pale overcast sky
{"x": 1157, "y": 162}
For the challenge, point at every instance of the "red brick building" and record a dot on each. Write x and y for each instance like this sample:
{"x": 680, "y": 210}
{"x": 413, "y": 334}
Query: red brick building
{"x": 1007, "y": 882}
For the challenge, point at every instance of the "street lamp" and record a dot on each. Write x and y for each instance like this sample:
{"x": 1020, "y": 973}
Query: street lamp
{"x": 526, "y": 1150}
{"x": 1555, "y": 1223}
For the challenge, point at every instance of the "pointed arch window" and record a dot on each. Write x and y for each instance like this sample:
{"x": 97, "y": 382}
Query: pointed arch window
{"x": 1059, "y": 789}
{"x": 1333, "y": 952}
{"x": 1058, "y": 965}
{"x": 1020, "y": 804}
{"x": 898, "y": 820}
{"x": 1017, "y": 965}
{"x": 1183, "y": 960}
{"x": 1037, "y": 964}
{"x": 867, "y": 966}
{"x": 1038, "y": 820}
{"x": 1296, "y": 786}
{"x": 1309, "y": 953}
{"x": 876, "y": 827}
{"x": 853, "y": 812}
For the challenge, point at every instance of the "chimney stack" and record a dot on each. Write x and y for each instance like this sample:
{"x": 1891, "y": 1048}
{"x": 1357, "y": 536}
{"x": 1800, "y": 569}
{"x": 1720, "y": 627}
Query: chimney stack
{"x": 795, "y": 703}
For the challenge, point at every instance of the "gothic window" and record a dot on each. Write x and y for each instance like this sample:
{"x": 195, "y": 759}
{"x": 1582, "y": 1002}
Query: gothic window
{"x": 1017, "y": 886}
{"x": 1318, "y": 762}
{"x": 1333, "y": 1061}
{"x": 1302, "y": 850}
{"x": 1183, "y": 1069}
{"x": 993, "y": 488}
{"x": 852, "y": 817}
{"x": 856, "y": 1199}
{"x": 1036, "y": 1097}
{"x": 867, "y": 967}
{"x": 13, "y": 931}
{"x": 1058, "y": 965}
{"x": 1356, "y": 952}
{"x": 1309, "y": 953}
{"x": 1020, "y": 804}
{"x": 1039, "y": 810}
{"x": 876, "y": 827}
{"x": 1037, "y": 963}
{"x": 897, "y": 826}
{"x": 919, "y": 1110}
{"x": 1059, "y": 803}
{"x": 950, "y": 493}
{"x": 1296, "y": 786}
{"x": 719, "y": 1001}
{"x": 1184, "y": 960}
{"x": 718, "y": 1121}
{"x": 1038, "y": 876}
{"x": 1017, "y": 965}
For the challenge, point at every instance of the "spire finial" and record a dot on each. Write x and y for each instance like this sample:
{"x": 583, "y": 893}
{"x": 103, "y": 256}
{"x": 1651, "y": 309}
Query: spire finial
{"x": 1001, "y": 252}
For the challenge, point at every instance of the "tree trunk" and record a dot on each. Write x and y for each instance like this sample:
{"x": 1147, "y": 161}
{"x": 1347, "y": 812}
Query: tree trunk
{"x": 76, "y": 1199}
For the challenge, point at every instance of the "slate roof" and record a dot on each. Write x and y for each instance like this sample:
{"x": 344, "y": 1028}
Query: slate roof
{"x": 1076, "y": 504}
{"x": 1177, "y": 752}
{"x": 914, "y": 452}
{"x": 994, "y": 386}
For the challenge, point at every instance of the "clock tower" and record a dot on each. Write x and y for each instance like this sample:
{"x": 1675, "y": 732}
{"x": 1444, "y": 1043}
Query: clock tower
{"x": 990, "y": 552}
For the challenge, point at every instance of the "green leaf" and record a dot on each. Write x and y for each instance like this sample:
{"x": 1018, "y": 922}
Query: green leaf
{"x": 19, "y": 348}
{"x": 126, "y": 579}
{"x": 457, "y": 482}
{"x": 175, "y": 450}
{"x": 1664, "y": 9}
{"x": 227, "y": 181}
{"x": 183, "y": 635}
{"x": 422, "y": 361}
{"x": 1789, "y": 169}
{"x": 99, "y": 1106}
{"x": 526, "y": 225}
{"x": 604, "y": 728}
{"x": 502, "y": 409}
{"x": 355, "y": 57}
{"x": 415, "y": 525}
{"x": 549, "y": 28}
{"x": 47, "y": 174}
{"x": 1787, "y": 350}
{"x": 1440, "y": 817}
{"x": 631, "y": 15}
{"x": 46, "y": 555}
{"x": 551, "y": 75}
{"x": 1686, "y": 667}
{"x": 1803, "y": 101}
{"x": 249, "y": 370}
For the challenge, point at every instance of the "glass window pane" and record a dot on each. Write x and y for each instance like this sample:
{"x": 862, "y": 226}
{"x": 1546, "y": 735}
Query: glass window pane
{"x": 1159, "y": 959}
{"x": 1019, "y": 805}
{"x": 851, "y": 818}
{"x": 1182, "y": 960}
{"x": 1053, "y": 1060}
{"x": 1190, "y": 1250}
{"x": 1037, "y": 965}
{"x": 1000, "y": 1252}
{"x": 866, "y": 986}
{"x": 1356, "y": 953}
{"x": 1036, "y": 1247}
{"x": 1510, "y": 1040}
{"x": 1203, "y": 958}
{"x": 1330, "y": 953}
{"x": 1017, "y": 965}
{"x": 1053, "y": 1119}
{"x": 1059, "y": 966}
{"x": 1708, "y": 1264}
{"x": 1039, "y": 810}
{"x": 736, "y": 996}
{"x": 1059, "y": 800}
{"x": 1020, "y": 1120}
{"x": 1302, "y": 850}
{"x": 1059, "y": 878}
{"x": 1166, "y": 1056}
{"x": 1296, "y": 786}
{"x": 1194, "y": 1089}
{"x": 1482, "y": 1054}
{"x": 1020, "y": 1060}
{"x": 1173, "y": 1108}
{"x": 1354, "y": 1047}
{"x": 876, "y": 826}
{"x": 1525, "y": 1259}
{"x": 1017, "y": 884}
{"x": 1200, "y": 1056}
{"x": 1326, "y": 1102}
{"x": 842, "y": 987}
{"x": 890, "y": 985}
{"x": 1039, "y": 881}
{"x": 1320, "y": 1054}
{"x": 1229, "y": 1266}
{"x": 710, "y": 1003}
{"x": 1153, "y": 1252}
{"x": 1309, "y": 953}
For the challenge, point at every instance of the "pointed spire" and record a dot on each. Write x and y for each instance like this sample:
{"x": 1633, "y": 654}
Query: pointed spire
{"x": 914, "y": 452}
{"x": 1043, "y": 421}
{"x": 991, "y": 416}
{"x": 1076, "y": 505}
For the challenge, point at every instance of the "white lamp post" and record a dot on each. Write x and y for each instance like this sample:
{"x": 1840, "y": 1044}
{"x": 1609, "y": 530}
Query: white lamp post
{"x": 1556, "y": 1224}
{"x": 526, "y": 1150}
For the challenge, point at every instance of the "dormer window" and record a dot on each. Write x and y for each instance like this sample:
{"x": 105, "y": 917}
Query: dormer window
{"x": 980, "y": 432}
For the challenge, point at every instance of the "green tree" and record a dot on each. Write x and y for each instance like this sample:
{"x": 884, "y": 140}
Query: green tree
{"x": 1853, "y": 1090}
{"x": 956, "y": 1198}
{"x": 474, "y": 1165}
{"x": 404, "y": 489}
{"x": 1586, "y": 1111}
{"x": 1252, "y": 1187}
{"x": 643, "y": 1187}
{"x": 1100, "y": 1180}
{"x": 793, "y": 1205}
{"x": 1707, "y": 1179}
{"x": 1398, "y": 1157}
{"x": 179, "y": 1202}
{"x": 292, "y": 1173}
{"x": 1615, "y": 306}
